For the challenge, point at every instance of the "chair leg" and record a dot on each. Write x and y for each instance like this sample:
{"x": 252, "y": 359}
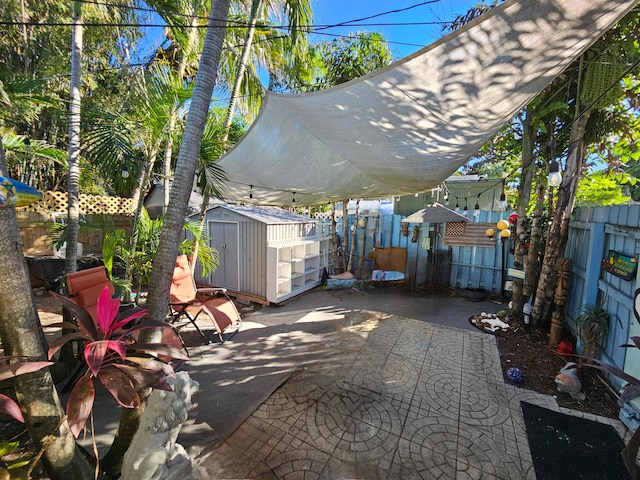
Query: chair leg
{"x": 193, "y": 322}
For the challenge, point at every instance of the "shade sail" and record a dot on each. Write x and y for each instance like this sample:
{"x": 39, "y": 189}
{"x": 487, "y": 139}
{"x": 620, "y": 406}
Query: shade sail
{"x": 434, "y": 213}
{"x": 407, "y": 127}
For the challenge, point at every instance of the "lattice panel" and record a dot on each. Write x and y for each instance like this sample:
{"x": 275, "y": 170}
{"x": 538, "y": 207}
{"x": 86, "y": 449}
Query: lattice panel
{"x": 88, "y": 204}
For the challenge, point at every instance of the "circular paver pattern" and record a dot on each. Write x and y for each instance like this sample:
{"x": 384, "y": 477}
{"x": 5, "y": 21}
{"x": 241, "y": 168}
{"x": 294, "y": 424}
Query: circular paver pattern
{"x": 462, "y": 397}
{"x": 294, "y": 464}
{"x": 357, "y": 423}
{"x": 437, "y": 448}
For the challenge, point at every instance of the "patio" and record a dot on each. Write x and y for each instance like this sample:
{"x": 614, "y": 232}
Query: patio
{"x": 353, "y": 384}
{"x": 348, "y": 384}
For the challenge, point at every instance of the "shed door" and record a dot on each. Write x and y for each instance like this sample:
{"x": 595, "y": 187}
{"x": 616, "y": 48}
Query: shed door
{"x": 224, "y": 238}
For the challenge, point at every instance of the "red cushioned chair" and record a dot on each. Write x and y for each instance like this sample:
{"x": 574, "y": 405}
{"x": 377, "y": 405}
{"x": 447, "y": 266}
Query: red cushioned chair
{"x": 188, "y": 301}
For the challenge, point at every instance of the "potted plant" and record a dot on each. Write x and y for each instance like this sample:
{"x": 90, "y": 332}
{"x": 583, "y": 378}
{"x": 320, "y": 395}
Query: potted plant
{"x": 592, "y": 327}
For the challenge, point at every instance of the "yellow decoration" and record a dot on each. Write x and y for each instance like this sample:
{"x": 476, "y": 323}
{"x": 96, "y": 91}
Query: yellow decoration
{"x": 490, "y": 232}
{"x": 502, "y": 225}
{"x": 505, "y": 233}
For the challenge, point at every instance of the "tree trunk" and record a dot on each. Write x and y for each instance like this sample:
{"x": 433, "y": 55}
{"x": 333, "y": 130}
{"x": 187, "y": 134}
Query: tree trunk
{"x": 170, "y": 236}
{"x": 345, "y": 231}
{"x": 559, "y": 229}
{"x": 73, "y": 188}
{"x": 168, "y": 153}
{"x": 127, "y": 427}
{"x": 534, "y": 255}
{"x": 242, "y": 66}
{"x": 334, "y": 239}
{"x": 21, "y": 334}
{"x": 524, "y": 196}
{"x": 182, "y": 67}
{"x": 354, "y": 229}
{"x": 143, "y": 180}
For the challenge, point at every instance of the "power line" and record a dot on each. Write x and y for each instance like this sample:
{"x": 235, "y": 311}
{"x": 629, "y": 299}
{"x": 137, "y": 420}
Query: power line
{"x": 309, "y": 29}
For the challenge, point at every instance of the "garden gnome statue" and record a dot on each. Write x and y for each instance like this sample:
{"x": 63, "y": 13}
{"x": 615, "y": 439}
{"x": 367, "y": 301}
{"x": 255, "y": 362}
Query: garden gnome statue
{"x": 568, "y": 381}
{"x": 154, "y": 453}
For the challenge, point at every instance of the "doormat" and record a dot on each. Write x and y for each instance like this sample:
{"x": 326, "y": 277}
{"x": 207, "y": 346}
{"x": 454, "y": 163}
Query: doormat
{"x": 563, "y": 446}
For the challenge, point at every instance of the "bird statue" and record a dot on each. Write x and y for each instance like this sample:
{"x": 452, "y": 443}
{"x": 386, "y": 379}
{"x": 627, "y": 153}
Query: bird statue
{"x": 568, "y": 381}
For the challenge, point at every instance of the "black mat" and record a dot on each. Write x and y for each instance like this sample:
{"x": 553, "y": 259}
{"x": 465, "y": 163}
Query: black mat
{"x": 566, "y": 447}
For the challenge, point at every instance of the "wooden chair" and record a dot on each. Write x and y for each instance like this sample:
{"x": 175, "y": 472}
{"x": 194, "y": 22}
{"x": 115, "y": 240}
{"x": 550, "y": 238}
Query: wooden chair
{"x": 186, "y": 300}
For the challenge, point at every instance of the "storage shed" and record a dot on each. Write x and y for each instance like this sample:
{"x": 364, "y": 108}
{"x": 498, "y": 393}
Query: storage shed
{"x": 266, "y": 253}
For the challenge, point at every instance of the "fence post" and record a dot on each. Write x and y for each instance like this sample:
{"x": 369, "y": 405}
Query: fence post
{"x": 594, "y": 265}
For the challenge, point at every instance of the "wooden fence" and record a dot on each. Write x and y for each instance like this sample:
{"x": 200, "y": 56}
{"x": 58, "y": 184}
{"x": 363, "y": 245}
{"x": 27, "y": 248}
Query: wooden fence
{"x": 36, "y": 220}
{"x": 594, "y": 234}
{"x": 470, "y": 260}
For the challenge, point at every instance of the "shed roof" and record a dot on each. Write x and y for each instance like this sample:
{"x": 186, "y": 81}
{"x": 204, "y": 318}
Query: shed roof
{"x": 435, "y": 213}
{"x": 267, "y": 215}
{"x": 407, "y": 127}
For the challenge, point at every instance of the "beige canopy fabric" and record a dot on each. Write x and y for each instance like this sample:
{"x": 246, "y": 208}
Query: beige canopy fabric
{"x": 407, "y": 127}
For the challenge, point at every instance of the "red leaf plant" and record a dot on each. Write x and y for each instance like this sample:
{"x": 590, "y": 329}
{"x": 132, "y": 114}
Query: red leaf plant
{"x": 114, "y": 356}
{"x": 10, "y": 370}
{"x": 630, "y": 391}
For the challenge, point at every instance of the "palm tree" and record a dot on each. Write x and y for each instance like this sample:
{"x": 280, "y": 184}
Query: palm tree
{"x": 186, "y": 41}
{"x": 164, "y": 261}
{"x": 73, "y": 179}
{"x": 21, "y": 335}
{"x": 299, "y": 15}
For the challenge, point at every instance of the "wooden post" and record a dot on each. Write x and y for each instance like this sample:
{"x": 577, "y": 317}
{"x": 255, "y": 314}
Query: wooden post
{"x": 563, "y": 269}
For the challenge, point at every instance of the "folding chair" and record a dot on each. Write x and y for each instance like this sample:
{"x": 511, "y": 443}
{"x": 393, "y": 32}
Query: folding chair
{"x": 186, "y": 300}
{"x": 85, "y": 286}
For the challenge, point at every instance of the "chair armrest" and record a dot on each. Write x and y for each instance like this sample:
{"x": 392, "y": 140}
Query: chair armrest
{"x": 212, "y": 290}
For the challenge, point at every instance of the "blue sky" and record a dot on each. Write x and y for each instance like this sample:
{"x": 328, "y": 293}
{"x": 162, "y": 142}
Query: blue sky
{"x": 404, "y": 39}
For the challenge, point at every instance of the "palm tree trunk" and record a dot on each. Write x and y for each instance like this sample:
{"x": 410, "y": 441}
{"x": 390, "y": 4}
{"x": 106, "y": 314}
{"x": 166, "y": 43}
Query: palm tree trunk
{"x": 182, "y": 67}
{"x": 242, "y": 66}
{"x": 559, "y": 229}
{"x": 534, "y": 255}
{"x": 73, "y": 187}
{"x": 354, "y": 228}
{"x": 21, "y": 334}
{"x": 524, "y": 196}
{"x": 164, "y": 261}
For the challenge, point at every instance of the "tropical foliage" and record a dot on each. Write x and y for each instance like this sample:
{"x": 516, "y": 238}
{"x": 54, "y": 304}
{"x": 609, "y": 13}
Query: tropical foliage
{"x": 114, "y": 356}
{"x": 11, "y": 366}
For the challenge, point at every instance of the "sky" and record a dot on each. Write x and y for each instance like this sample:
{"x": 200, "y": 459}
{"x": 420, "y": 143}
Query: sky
{"x": 403, "y": 39}
{"x": 392, "y": 19}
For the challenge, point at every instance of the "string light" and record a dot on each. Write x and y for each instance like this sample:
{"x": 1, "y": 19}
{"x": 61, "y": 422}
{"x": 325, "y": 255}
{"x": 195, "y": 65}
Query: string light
{"x": 555, "y": 177}
{"x": 502, "y": 204}
{"x": 294, "y": 198}
{"x": 476, "y": 209}
{"x": 250, "y": 191}
{"x": 457, "y": 205}
{"x": 125, "y": 171}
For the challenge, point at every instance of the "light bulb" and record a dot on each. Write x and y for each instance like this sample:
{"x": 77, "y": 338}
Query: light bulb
{"x": 555, "y": 179}
{"x": 125, "y": 172}
{"x": 502, "y": 204}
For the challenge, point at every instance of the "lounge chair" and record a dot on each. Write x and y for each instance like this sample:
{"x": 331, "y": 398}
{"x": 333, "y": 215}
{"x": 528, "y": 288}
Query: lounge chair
{"x": 85, "y": 286}
{"x": 186, "y": 300}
